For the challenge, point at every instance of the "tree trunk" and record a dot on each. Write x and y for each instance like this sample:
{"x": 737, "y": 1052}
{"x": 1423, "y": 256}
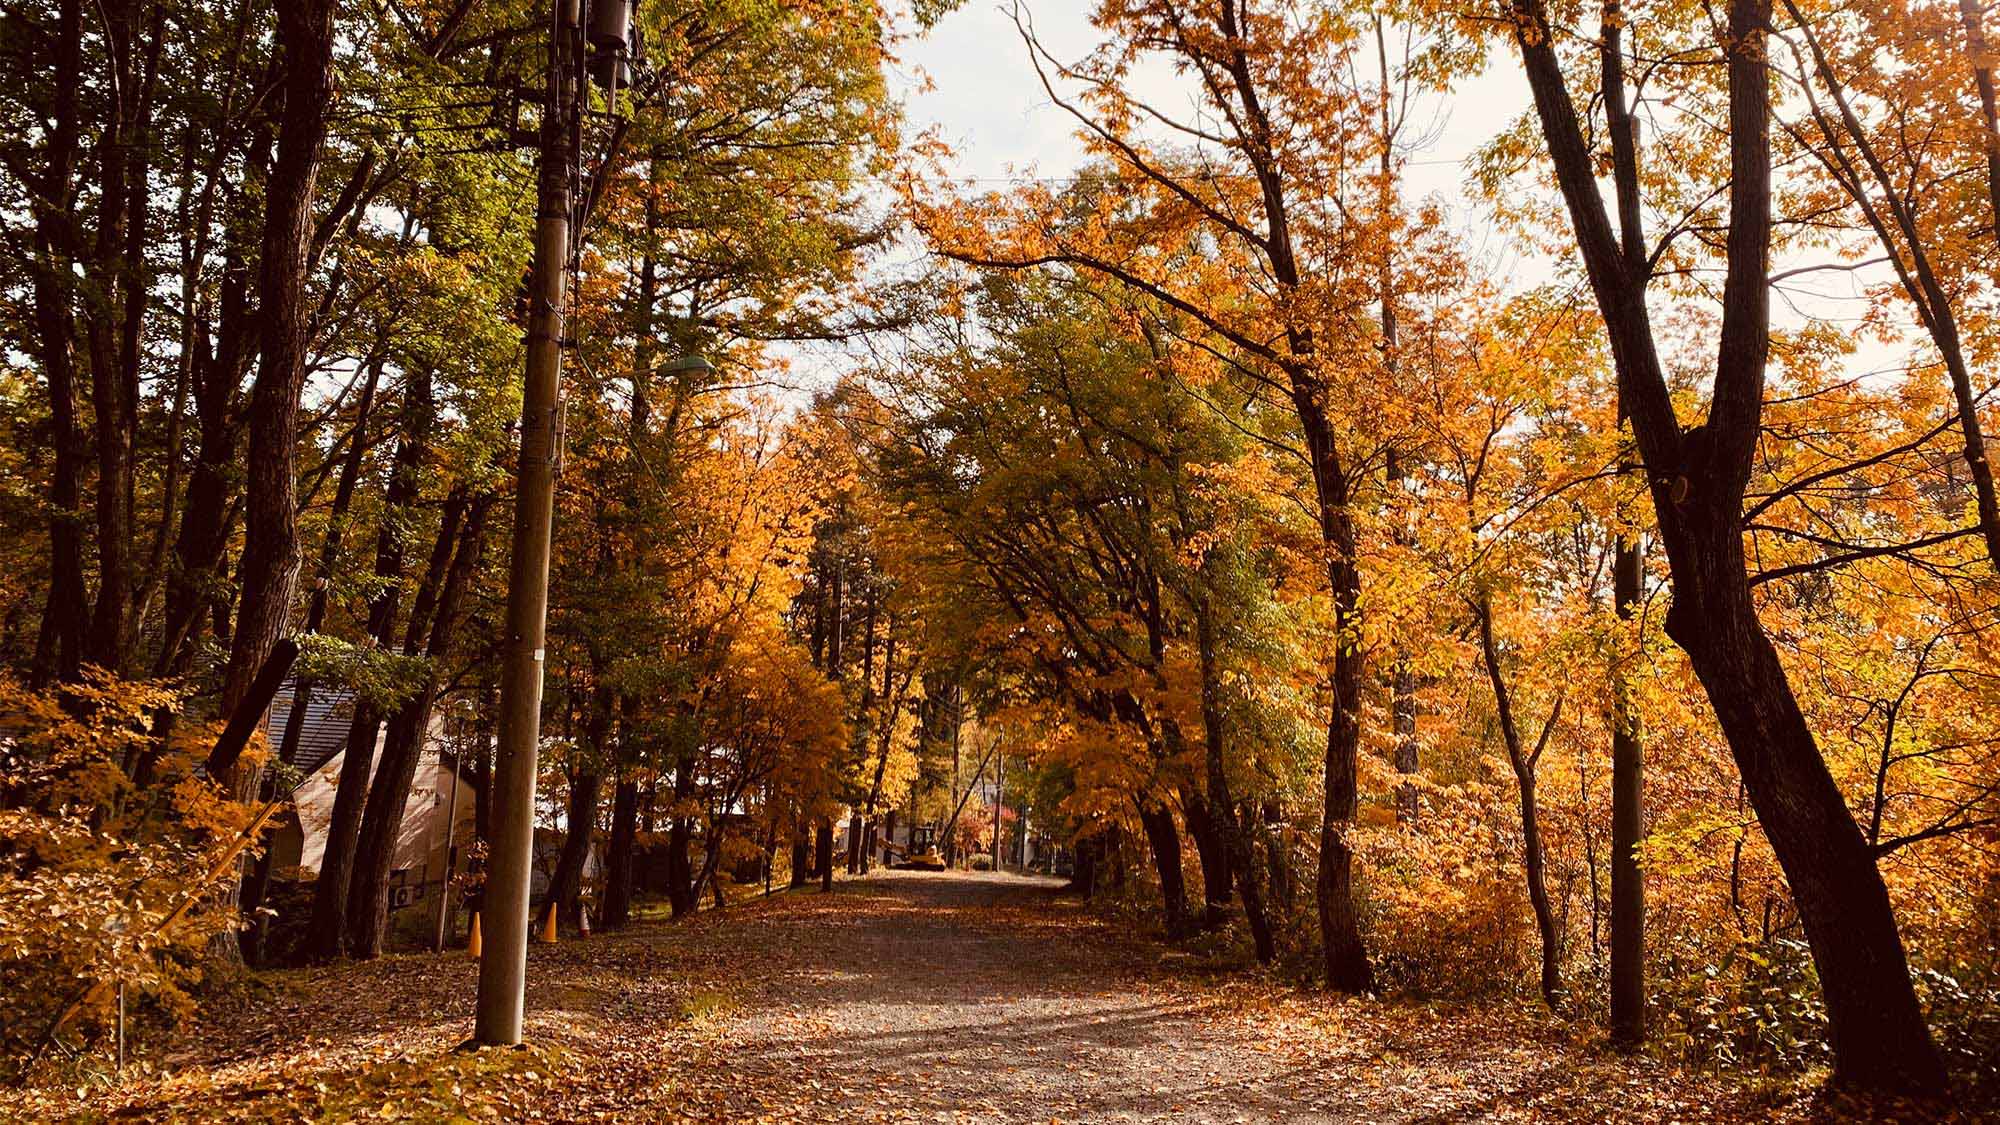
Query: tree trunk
{"x": 1524, "y": 763}
{"x": 257, "y": 886}
{"x": 1165, "y": 842}
{"x": 1403, "y": 717}
{"x": 1216, "y": 880}
{"x": 1698, "y": 477}
{"x": 711, "y": 864}
{"x": 1233, "y": 833}
{"x": 271, "y": 550}
{"x": 823, "y": 852}
{"x": 1346, "y": 958}
{"x": 114, "y": 396}
{"x": 482, "y": 796}
{"x": 1276, "y": 853}
{"x": 801, "y": 856}
{"x": 59, "y": 648}
{"x": 389, "y": 796}
{"x": 618, "y": 854}
{"x": 1083, "y": 877}
{"x": 327, "y": 931}
{"x": 270, "y": 562}
{"x": 194, "y": 580}
{"x": 1628, "y": 881}
{"x": 566, "y": 885}
{"x": 680, "y": 867}
{"x": 1880, "y": 1040}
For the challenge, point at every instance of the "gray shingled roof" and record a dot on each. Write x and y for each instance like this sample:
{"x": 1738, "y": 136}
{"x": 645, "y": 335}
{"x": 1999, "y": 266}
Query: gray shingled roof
{"x": 329, "y": 709}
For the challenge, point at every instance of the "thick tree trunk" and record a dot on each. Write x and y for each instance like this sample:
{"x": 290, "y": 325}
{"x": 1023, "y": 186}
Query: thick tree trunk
{"x": 381, "y": 824}
{"x": 270, "y": 562}
{"x": 1698, "y": 477}
{"x": 326, "y": 932}
{"x": 271, "y": 549}
{"x": 801, "y": 856}
{"x": 680, "y": 868}
{"x": 680, "y": 865}
{"x": 1216, "y": 880}
{"x": 618, "y": 854}
{"x": 114, "y": 390}
{"x": 258, "y": 884}
{"x": 565, "y": 886}
{"x": 1878, "y": 1032}
{"x": 1165, "y": 842}
{"x": 1083, "y": 877}
{"x": 823, "y": 853}
{"x": 59, "y": 648}
{"x": 1112, "y": 864}
{"x": 1346, "y": 957}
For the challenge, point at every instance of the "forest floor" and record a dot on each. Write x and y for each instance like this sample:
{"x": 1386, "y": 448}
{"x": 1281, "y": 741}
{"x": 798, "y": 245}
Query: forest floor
{"x": 901, "y": 997}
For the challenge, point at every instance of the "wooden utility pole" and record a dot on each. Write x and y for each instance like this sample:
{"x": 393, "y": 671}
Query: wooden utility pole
{"x": 503, "y": 969}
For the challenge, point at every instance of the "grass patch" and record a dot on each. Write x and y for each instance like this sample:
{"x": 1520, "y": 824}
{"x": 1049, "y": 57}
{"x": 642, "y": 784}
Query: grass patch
{"x": 704, "y": 1005}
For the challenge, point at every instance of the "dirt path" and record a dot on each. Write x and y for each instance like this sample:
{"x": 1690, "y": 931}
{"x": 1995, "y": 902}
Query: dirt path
{"x": 981, "y": 997}
{"x": 984, "y": 996}
{"x": 904, "y": 997}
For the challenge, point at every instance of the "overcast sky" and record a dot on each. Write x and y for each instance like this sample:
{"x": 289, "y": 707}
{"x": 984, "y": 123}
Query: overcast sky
{"x": 986, "y": 104}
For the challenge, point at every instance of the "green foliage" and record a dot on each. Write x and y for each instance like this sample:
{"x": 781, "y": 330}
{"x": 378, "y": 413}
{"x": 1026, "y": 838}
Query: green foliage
{"x": 383, "y": 678}
{"x": 1759, "y": 1008}
{"x": 1964, "y": 1009}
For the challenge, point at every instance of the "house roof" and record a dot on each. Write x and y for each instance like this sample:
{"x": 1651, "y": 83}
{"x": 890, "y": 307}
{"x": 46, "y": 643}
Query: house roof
{"x": 329, "y": 713}
{"x": 329, "y": 709}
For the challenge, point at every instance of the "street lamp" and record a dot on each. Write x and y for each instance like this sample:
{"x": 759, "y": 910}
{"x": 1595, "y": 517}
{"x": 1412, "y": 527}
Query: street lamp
{"x": 688, "y": 365}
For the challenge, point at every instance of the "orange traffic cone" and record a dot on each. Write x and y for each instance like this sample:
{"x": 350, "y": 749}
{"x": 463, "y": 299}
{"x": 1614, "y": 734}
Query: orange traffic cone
{"x": 583, "y": 921}
{"x": 548, "y": 934}
{"x": 473, "y": 946}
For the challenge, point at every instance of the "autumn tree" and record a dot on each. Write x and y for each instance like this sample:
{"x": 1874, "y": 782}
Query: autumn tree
{"x": 1699, "y": 476}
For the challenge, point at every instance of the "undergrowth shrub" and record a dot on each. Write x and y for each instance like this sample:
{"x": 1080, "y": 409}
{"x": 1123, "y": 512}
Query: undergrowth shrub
{"x": 1445, "y": 908}
{"x": 95, "y": 866}
{"x": 1964, "y": 1012}
{"x": 1756, "y": 1008}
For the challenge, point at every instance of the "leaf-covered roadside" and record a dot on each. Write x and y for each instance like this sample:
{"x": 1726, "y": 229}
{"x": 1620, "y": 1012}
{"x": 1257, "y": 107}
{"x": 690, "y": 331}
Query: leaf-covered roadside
{"x": 385, "y": 1040}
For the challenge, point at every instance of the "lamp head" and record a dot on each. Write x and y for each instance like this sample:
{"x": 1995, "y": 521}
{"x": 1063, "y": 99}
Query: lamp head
{"x": 689, "y": 365}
